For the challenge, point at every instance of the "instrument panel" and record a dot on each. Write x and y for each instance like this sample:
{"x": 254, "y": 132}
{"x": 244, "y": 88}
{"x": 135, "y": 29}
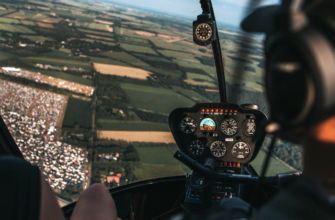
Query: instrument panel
{"x": 225, "y": 132}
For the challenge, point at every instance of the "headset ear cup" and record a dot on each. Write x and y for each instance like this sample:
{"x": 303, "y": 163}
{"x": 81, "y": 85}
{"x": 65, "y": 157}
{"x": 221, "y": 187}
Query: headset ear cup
{"x": 289, "y": 85}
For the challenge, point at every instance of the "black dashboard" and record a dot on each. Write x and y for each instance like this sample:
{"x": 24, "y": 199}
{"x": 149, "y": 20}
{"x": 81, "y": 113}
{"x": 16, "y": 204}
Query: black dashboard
{"x": 225, "y": 132}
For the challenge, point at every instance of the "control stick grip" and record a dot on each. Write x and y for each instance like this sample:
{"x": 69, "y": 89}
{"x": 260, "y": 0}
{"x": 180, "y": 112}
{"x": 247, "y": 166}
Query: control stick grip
{"x": 210, "y": 163}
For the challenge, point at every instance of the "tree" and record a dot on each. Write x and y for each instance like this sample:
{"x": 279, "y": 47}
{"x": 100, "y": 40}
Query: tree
{"x": 77, "y": 128}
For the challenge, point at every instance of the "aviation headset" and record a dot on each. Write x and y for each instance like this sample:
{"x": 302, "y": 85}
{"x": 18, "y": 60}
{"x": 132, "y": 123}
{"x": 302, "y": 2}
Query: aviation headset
{"x": 299, "y": 59}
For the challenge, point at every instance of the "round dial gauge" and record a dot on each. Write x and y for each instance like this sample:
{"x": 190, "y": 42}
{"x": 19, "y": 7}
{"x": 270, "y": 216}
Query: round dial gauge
{"x": 207, "y": 124}
{"x": 229, "y": 126}
{"x": 196, "y": 148}
{"x": 187, "y": 125}
{"x": 203, "y": 31}
{"x": 249, "y": 127}
{"x": 240, "y": 150}
{"x": 218, "y": 149}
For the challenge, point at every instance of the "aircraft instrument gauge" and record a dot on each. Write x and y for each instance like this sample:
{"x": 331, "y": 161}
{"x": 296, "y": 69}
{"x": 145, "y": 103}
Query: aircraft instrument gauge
{"x": 249, "y": 127}
{"x": 196, "y": 148}
{"x": 218, "y": 149}
{"x": 229, "y": 126}
{"x": 203, "y": 31}
{"x": 240, "y": 150}
{"x": 207, "y": 124}
{"x": 188, "y": 125}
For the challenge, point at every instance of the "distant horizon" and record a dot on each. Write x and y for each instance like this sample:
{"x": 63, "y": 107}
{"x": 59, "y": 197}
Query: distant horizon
{"x": 235, "y": 10}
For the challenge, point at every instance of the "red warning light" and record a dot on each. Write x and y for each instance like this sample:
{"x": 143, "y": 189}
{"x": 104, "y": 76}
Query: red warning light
{"x": 230, "y": 111}
{"x": 207, "y": 110}
{"x": 221, "y": 110}
{"x": 212, "y": 110}
{"x": 202, "y": 110}
{"x": 226, "y": 110}
{"x": 235, "y": 111}
{"x": 216, "y": 110}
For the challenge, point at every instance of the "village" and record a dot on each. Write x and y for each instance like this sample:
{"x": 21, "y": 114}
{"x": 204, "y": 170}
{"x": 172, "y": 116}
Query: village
{"x": 31, "y": 116}
{"x": 60, "y": 163}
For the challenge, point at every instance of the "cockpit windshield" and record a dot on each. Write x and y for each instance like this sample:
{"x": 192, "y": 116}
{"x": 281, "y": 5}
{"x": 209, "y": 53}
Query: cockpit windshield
{"x": 87, "y": 86}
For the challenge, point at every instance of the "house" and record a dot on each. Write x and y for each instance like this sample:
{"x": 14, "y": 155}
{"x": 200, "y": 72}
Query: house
{"x": 113, "y": 178}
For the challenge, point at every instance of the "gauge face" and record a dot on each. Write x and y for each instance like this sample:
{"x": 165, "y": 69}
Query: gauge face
{"x": 229, "y": 126}
{"x": 188, "y": 125}
{"x": 203, "y": 31}
{"x": 207, "y": 124}
{"x": 249, "y": 127}
{"x": 196, "y": 148}
{"x": 218, "y": 149}
{"x": 240, "y": 150}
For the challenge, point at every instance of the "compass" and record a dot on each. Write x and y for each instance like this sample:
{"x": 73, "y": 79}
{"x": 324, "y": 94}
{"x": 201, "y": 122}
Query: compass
{"x": 203, "y": 31}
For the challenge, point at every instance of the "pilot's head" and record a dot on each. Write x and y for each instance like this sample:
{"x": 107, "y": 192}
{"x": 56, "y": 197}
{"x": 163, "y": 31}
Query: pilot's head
{"x": 300, "y": 63}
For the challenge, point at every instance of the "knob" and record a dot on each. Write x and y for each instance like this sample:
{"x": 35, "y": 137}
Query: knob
{"x": 250, "y": 106}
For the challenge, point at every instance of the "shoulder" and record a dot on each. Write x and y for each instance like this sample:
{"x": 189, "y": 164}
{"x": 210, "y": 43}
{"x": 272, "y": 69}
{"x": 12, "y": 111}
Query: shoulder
{"x": 301, "y": 197}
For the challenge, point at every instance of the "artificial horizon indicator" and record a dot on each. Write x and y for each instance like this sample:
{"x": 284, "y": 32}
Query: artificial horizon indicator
{"x": 229, "y": 126}
{"x": 218, "y": 149}
{"x": 188, "y": 125}
{"x": 203, "y": 31}
{"x": 196, "y": 148}
{"x": 207, "y": 124}
{"x": 240, "y": 150}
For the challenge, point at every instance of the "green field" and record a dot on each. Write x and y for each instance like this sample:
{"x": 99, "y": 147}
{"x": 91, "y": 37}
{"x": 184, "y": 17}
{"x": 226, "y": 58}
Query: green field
{"x": 274, "y": 167}
{"x": 61, "y": 53}
{"x": 159, "y": 162}
{"x": 3, "y": 12}
{"x": 9, "y": 20}
{"x": 125, "y": 57}
{"x": 190, "y": 93}
{"x": 91, "y": 25}
{"x": 68, "y": 77}
{"x": 136, "y": 48}
{"x": 78, "y": 112}
{"x": 193, "y": 76}
{"x": 37, "y": 38}
{"x": 107, "y": 61}
{"x": 106, "y": 42}
{"x": 122, "y": 125}
{"x": 16, "y": 28}
{"x": 136, "y": 40}
{"x": 76, "y": 63}
{"x": 25, "y": 22}
{"x": 109, "y": 34}
{"x": 4, "y": 55}
{"x": 207, "y": 84}
{"x": 155, "y": 99}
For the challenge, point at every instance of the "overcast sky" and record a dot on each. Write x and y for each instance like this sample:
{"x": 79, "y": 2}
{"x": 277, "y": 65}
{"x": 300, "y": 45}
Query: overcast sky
{"x": 226, "y": 11}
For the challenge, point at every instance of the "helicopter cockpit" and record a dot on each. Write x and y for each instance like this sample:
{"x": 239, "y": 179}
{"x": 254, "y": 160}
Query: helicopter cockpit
{"x": 217, "y": 140}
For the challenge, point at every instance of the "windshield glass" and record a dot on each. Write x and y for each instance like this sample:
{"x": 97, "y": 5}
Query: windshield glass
{"x": 87, "y": 86}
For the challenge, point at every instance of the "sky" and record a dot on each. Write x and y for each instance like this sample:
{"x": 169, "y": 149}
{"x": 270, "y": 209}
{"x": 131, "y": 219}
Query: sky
{"x": 228, "y": 12}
